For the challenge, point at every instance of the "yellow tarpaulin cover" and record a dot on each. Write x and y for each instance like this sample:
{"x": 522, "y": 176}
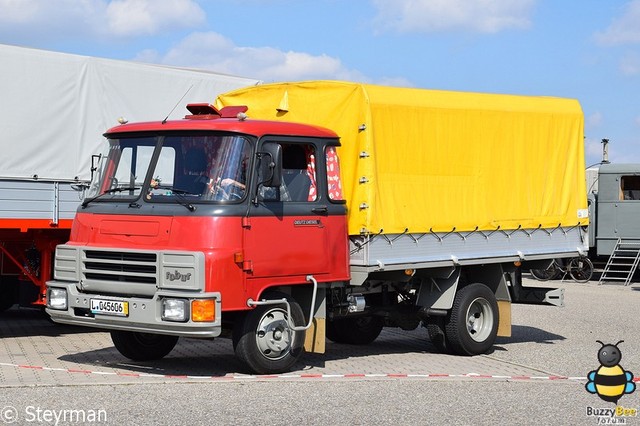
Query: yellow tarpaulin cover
{"x": 436, "y": 160}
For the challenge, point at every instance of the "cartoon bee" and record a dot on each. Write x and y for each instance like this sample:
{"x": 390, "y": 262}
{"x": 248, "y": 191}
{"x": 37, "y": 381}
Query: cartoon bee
{"x": 610, "y": 381}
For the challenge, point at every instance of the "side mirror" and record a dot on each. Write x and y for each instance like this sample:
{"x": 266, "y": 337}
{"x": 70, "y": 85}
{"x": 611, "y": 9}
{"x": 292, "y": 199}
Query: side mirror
{"x": 95, "y": 160}
{"x": 271, "y": 165}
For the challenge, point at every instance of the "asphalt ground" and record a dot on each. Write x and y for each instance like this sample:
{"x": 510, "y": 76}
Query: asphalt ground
{"x": 50, "y": 373}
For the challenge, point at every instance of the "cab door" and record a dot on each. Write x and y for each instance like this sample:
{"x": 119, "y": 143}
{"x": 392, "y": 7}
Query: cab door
{"x": 294, "y": 230}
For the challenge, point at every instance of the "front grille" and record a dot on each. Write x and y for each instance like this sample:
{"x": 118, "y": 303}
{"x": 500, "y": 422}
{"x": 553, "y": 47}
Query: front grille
{"x": 120, "y": 266}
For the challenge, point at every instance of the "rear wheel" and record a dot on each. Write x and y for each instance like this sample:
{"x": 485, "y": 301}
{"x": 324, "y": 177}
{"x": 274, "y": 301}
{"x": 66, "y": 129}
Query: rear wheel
{"x": 355, "y": 330}
{"x": 435, "y": 328}
{"x": 472, "y": 326}
{"x": 143, "y": 346}
{"x": 264, "y": 340}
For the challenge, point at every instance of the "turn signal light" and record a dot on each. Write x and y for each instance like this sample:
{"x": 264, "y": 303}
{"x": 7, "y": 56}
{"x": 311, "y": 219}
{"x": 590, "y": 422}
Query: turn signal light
{"x": 203, "y": 310}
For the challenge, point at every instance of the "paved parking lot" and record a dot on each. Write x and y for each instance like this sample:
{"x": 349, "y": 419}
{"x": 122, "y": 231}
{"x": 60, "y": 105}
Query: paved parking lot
{"x": 550, "y": 353}
{"x": 546, "y": 342}
{"x": 35, "y": 351}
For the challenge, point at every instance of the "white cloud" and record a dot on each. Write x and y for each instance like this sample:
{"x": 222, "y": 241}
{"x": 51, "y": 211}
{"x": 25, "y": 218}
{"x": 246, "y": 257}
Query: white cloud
{"x": 210, "y": 50}
{"x": 426, "y": 16}
{"x": 114, "y": 21}
{"x": 149, "y": 17}
{"x": 594, "y": 120}
{"x": 630, "y": 64}
{"x": 97, "y": 18}
{"x": 18, "y": 11}
{"x": 593, "y": 149}
{"x": 624, "y": 29}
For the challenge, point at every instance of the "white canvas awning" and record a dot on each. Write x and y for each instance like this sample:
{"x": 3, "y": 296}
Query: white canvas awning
{"x": 54, "y": 107}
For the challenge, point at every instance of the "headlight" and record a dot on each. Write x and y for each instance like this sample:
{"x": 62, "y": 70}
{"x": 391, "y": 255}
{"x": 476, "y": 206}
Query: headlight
{"x": 174, "y": 310}
{"x": 57, "y": 298}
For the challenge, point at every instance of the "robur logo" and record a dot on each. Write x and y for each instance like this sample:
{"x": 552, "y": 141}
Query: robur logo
{"x": 178, "y": 276}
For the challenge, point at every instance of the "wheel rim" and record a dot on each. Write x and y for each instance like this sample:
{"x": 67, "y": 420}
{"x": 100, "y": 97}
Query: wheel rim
{"x": 479, "y": 319}
{"x": 273, "y": 335}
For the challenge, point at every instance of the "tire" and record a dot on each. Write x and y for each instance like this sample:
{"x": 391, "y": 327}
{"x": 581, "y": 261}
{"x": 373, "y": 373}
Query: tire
{"x": 8, "y": 292}
{"x": 580, "y": 269}
{"x": 264, "y": 341}
{"x": 143, "y": 346}
{"x": 551, "y": 273}
{"x": 472, "y": 325}
{"x": 355, "y": 330}
{"x": 436, "y": 329}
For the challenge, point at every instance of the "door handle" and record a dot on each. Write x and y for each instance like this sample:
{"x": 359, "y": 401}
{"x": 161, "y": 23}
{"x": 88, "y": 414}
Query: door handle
{"x": 320, "y": 210}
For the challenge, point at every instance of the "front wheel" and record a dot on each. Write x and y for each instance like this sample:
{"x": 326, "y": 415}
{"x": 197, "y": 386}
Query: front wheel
{"x": 264, "y": 340}
{"x": 472, "y": 325}
{"x": 143, "y": 346}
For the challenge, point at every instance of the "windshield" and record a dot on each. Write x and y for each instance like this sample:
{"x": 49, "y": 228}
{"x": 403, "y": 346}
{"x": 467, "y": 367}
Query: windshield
{"x": 208, "y": 167}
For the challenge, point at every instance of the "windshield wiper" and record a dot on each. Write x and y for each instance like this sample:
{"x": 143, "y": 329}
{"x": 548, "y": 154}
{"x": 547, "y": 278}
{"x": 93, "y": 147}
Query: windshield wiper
{"x": 180, "y": 196}
{"x": 86, "y": 202}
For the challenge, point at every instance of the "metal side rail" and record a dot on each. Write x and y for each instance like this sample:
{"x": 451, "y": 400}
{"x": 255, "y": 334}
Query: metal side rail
{"x": 622, "y": 263}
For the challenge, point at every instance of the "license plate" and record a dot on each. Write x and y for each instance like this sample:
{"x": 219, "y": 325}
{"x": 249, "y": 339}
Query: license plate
{"x": 110, "y": 307}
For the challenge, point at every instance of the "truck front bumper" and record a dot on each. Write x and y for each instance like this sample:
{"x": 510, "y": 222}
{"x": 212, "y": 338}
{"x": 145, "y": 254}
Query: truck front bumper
{"x": 160, "y": 314}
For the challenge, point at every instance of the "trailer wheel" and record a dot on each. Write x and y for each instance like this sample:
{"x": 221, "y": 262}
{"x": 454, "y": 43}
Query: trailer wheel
{"x": 143, "y": 346}
{"x": 472, "y": 325}
{"x": 435, "y": 328}
{"x": 265, "y": 342}
{"x": 355, "y": 330}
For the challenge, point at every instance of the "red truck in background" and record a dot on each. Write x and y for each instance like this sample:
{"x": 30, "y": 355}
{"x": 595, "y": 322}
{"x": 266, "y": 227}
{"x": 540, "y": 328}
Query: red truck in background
{"x": 255, "y": 221}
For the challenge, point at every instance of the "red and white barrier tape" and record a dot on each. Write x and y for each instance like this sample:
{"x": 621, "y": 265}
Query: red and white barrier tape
{"x": 238, "y": 377}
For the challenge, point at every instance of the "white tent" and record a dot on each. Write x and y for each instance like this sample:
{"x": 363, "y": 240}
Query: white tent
{"x": 54, "y": 107}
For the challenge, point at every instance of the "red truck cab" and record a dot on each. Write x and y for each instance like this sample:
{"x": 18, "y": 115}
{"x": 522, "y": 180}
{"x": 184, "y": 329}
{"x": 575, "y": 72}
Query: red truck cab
{"x": 188, "y": 224}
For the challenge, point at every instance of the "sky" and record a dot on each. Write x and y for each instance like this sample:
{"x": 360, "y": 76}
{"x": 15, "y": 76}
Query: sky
{"x": 588, "y": 50}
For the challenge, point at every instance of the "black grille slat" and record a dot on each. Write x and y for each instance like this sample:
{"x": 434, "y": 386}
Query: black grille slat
{"x": 123, "y": 256}
{"x": 120, "y": 278}
{"x": 120, "y": 267}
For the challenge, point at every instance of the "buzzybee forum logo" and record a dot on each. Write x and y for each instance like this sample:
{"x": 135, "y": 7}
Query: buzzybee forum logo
{"x": 610, "y": 381}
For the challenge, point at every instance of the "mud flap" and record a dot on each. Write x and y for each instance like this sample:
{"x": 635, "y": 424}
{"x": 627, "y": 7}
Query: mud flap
{"x": 315, "y": 339}
{"x": 504, "y": 324}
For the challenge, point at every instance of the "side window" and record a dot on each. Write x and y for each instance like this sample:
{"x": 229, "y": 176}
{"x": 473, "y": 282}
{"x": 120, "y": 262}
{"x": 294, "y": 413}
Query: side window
{"x": 333, "y": 174}
{"x": 299, "y": 172}
{"x": 630, "y": 188}
{"x": 298, "y": 175}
